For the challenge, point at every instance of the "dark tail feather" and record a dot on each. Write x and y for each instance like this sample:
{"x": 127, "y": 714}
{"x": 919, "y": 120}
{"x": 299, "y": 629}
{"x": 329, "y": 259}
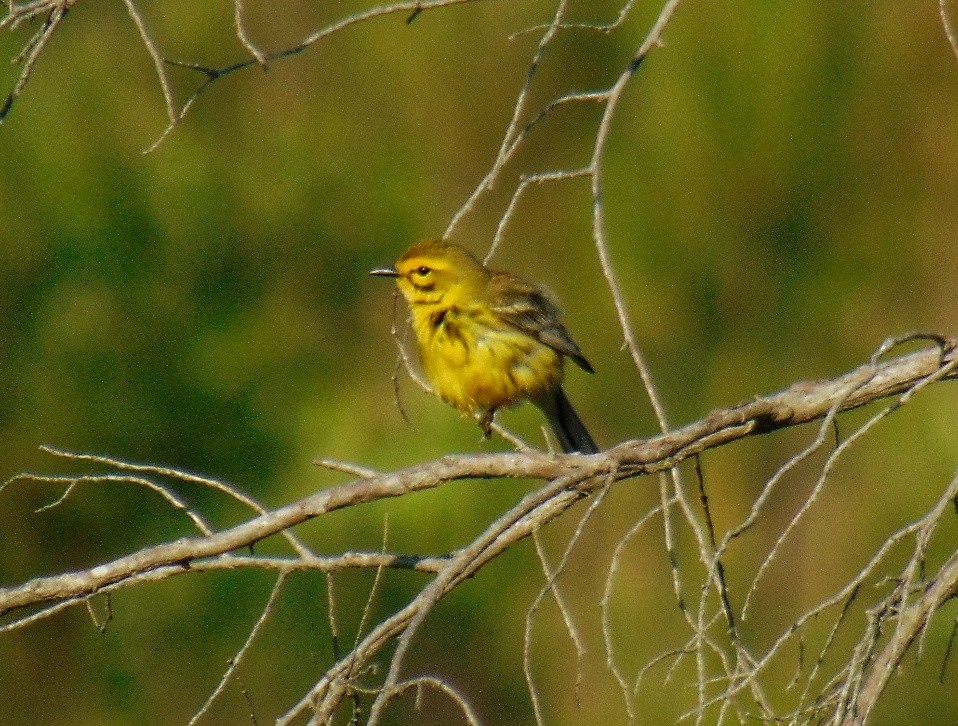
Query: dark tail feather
{"x": 573, "y": 436}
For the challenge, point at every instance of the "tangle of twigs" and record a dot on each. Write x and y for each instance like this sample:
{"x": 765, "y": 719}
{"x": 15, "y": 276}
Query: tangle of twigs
{"x": 730, "y": 680}
{"x": 896, "y": 621}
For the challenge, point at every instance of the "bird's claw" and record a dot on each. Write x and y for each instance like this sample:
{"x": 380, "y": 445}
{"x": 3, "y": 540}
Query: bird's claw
{"x": 485, "y": 422}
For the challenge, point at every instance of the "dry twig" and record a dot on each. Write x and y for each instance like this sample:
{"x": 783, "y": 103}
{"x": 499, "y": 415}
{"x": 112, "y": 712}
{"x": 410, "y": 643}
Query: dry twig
{"x": 729, "y": 671}
{"x": 568, "y": 478}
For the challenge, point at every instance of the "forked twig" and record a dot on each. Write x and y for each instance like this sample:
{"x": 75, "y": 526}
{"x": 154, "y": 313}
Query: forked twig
{"x": 30, "y": 53}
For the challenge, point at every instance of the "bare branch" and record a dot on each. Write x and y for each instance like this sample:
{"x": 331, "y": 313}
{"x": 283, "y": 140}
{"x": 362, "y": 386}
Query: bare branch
{"x": 911, "y": 618}
{"x": 238, "y": 658}
{"x": 888, "y": 606}
{"x": 948, "y": 26}
{"x": 30, "y": 53}
{"x": 512, "y": 138}
{"x": 154, "y": 52}
{"x": 230, "y": 490}
{"x": 243, "y": 34}
{"x": 569, "y": 479}
{"x": 800, "y": 403}
{"x": 264, "y": 59}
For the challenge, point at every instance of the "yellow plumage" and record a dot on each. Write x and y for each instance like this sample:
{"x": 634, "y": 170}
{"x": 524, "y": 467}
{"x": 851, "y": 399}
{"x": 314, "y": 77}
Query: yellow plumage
{"x": 488, "y": 339}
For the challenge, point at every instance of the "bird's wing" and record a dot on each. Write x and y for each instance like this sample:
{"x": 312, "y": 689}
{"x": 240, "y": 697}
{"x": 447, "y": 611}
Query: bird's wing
{"x": 533, "y": 311}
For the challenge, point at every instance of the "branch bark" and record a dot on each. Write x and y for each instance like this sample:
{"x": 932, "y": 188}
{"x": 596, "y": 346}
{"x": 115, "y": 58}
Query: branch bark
{"x": 800, "y": 403}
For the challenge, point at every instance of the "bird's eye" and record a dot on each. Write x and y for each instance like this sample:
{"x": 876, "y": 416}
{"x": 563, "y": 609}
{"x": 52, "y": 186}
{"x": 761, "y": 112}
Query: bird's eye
{"x": 423, "y": 271}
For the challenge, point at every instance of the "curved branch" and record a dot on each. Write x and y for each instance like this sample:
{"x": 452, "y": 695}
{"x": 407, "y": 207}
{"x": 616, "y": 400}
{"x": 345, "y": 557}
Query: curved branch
{"x": 800, "y": 403}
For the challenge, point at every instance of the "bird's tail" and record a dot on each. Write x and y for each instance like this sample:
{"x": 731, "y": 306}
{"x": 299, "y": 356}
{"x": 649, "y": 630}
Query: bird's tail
{"x": 573, "y": 436}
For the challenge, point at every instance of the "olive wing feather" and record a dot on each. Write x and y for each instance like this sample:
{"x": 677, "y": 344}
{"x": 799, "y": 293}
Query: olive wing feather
{"x": 535, "y": 312}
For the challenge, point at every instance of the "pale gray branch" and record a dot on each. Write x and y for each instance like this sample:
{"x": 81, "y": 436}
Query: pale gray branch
{"x": 798, "y": 404}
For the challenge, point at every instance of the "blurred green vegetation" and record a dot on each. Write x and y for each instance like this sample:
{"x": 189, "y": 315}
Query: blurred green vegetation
{"x": 781, "y": 196}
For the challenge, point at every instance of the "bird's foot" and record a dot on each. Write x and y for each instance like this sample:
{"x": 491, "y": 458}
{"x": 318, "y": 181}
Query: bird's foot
{"x": 485, "y": 422}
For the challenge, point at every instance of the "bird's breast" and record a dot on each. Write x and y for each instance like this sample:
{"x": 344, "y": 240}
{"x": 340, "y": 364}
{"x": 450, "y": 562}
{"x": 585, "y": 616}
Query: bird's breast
{"x": 477, "y": 362}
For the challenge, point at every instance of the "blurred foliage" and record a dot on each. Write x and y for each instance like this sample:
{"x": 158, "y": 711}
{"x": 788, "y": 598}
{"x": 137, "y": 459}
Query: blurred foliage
{"x": 781, "y": 195}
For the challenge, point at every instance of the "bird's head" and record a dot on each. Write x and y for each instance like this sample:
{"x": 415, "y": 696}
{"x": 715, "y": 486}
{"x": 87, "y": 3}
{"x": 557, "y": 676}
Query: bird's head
{"x": 434, "y": 272}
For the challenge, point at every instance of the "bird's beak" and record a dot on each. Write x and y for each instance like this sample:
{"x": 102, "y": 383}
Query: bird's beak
{"x": 384, "y": 272}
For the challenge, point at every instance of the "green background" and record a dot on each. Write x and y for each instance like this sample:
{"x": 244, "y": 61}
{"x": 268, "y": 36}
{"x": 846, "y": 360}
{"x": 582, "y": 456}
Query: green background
{"x": 780, "y": 194}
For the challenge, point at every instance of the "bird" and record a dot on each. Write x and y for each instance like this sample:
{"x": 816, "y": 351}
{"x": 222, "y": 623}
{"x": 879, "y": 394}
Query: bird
{"x": 489, "y": 339}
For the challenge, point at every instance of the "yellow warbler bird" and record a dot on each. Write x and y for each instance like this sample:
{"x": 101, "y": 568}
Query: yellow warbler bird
{"x": 489, "y": 339}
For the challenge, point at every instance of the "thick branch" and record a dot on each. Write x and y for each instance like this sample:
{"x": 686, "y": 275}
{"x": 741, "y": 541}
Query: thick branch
{"x": 800, "y": 403}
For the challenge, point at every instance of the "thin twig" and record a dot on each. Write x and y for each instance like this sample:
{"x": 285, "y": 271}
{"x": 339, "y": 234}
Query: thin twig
{"x": 551, "y": 586}
{"x": 34, "y": 47}
{"x": 243, "y": 35}
{"x": 157, "y": 57}
{"x": 230, "y": 490}
{"x": 264, "y": 58}
{"x": 235, "y": 661}
{"x": 512, "y": 138}
{"x": 948, "y": 26}
{"x": 605, "y": 605}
